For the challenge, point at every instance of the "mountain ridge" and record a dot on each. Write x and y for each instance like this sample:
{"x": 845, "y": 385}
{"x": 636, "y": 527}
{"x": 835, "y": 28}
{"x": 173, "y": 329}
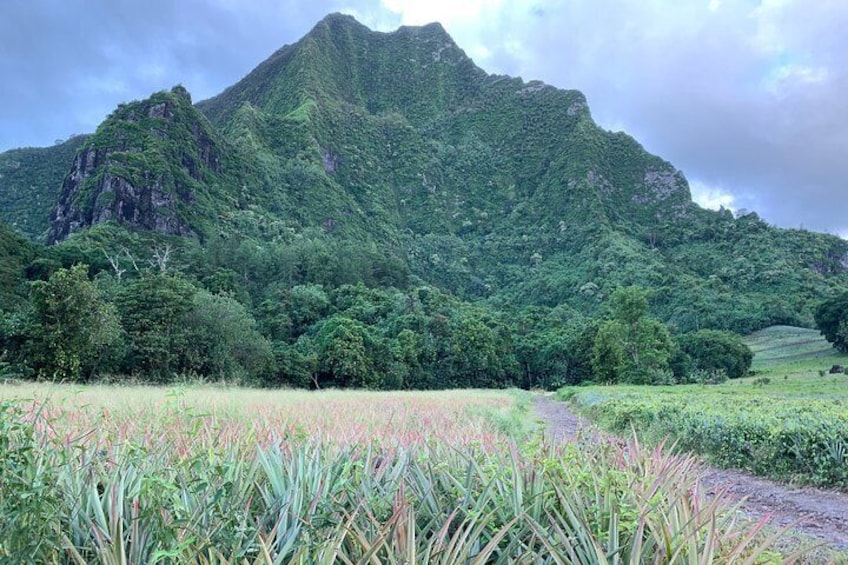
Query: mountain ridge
{"x": 147, "y": 159}
{"x": 489, "y": 187}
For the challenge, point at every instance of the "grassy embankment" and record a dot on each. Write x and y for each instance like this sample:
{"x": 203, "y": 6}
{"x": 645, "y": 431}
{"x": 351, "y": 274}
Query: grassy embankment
{"x": 147, "y": 475}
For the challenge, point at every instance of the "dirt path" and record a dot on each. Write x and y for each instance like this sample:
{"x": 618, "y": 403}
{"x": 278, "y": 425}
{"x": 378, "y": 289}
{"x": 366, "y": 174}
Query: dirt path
{"x": 821, "y": 515}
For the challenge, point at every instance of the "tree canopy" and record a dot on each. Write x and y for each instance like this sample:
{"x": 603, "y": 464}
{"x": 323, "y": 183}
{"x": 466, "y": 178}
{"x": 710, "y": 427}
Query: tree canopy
{"x": 832, "y": 319}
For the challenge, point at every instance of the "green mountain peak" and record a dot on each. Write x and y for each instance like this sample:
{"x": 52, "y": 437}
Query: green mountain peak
{"x": 151, "y": 165}
{"x": 341, "y": 60}
{"x": 396, "y": 145}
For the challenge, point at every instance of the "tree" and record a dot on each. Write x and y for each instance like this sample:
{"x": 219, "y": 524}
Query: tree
{"x": 406, "y": 365}
{"x": 714, "y": 350}
{"x": 632, "y": 347}
{"x": 629, "y": 304}
{"x": 223, "y": 340}
{"x": 832, "y": 320}
{"x": 476, "y": 354}
{"x": 306, "y": 305}
{"x": 153, "y": 309}
{"x": 345, "y": 350}
{"x": 76, "y": 333}
{"x": 609, "y": 358}
{"x": 295, "y": 365}
{"x": 15, "y": 252}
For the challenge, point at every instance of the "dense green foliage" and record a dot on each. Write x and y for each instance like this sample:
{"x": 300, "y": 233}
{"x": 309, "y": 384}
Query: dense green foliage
{"x": 384, "y": 213}
{"x": 789, "y": 432}
{"x": 631, "y": 347}
{"x": 715, "y": 350}
{"x": 30, "y": 179}
{"x": 75, "y": 332}
{"x": 15, "y": 254}
{"x": 832, "y": 320}
{"x": 29, "y": 501}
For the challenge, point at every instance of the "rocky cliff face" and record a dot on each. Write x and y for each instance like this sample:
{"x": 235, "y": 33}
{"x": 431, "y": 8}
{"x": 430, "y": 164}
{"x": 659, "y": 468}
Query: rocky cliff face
{"x": 146, "y": 168}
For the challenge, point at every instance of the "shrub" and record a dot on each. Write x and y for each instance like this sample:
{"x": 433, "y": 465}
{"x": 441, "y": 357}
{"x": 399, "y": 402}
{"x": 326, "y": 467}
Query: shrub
{"x": 832, "y": 319}
{"x": 714, "y": 350}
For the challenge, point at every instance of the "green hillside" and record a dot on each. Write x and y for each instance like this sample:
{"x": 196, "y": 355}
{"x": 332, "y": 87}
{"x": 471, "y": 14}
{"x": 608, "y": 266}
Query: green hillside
{"x": 15, "y": 254}
{"x": 498, "y": 189}
{"x": 30, "y": 180}
{"x": 800, "y": 353}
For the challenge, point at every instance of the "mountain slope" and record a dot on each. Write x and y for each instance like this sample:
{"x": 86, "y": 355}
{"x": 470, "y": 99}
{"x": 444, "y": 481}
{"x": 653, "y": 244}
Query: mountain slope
{"x": 30, "y": 179}
{"x": 154, "y": 165}
{"x": 396, "y": 145}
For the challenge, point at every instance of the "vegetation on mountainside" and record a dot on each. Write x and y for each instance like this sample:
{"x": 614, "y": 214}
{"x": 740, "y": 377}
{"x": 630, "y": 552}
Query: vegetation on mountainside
{"x": 15, "y": 254}
{"x": 30, "y": 180}
{"x": 362, "y": 206}
{"x": 141, "y": 316}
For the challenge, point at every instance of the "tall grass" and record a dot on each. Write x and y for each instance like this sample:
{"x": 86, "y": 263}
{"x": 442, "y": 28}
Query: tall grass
{"x": 136, "y": 495}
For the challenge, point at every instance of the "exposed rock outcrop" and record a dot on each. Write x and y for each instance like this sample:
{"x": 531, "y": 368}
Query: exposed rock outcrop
{"x": 142, "y": 169}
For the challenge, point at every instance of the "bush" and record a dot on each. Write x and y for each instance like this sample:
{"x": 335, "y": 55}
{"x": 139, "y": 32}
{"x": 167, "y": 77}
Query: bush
{"x": 767, "y": 433}
{"x": 224, "y": 342}
{"x": 832, "y": 320}
{"x": 29, "y": 501}
{"x": 716, "y": 350}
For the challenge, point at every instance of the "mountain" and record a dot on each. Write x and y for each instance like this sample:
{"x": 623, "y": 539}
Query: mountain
{"x": 30, "y": 179}
{"x": 152, "y": 165}
{"x": 408, "y": 126}
{"x": 394, "y": 151}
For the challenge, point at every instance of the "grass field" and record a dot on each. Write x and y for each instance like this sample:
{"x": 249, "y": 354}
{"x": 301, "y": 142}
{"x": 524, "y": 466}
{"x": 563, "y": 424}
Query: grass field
{"x": 200, "y": 418}
{"x": 212, "y": 476}
{"x": 790, "y": 351}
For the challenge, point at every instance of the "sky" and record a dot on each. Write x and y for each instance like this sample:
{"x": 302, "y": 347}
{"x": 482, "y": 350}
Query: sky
{"x": 746, "y": 97}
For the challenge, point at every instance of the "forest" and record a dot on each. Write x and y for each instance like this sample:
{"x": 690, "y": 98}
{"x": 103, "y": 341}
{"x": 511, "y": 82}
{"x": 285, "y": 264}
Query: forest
{"x": 342, "y": 319}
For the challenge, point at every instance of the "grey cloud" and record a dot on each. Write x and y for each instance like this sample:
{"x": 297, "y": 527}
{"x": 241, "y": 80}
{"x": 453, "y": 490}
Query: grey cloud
{"x": 68, "y": 63}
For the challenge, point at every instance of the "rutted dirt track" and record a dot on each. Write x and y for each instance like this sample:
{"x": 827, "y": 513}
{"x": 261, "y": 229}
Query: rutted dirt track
{"x": 820, "y": 515}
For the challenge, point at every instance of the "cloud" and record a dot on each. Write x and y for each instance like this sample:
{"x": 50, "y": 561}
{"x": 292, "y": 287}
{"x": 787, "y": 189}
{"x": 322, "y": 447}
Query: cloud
{"x": 448, "y": 12}
{"x": 711, "y": 197}
{"x": 743, "y": 95}
{"x": 67, "y": 63}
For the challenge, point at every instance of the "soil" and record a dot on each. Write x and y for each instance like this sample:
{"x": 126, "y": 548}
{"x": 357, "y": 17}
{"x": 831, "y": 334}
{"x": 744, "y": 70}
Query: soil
{"x": 819, "y": 516}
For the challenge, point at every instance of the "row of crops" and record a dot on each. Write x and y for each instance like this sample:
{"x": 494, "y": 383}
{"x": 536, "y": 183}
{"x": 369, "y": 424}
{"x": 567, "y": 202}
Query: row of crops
{"x": 781, "y": 431}
{"x": 149, "y": 476}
